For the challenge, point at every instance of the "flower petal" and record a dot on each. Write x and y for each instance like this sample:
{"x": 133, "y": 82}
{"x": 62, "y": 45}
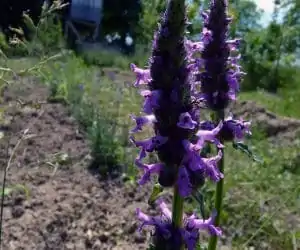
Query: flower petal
{"x": 186, "y": 121}
{"x": 164, "y": 209}
{"x": 201, "y": 224}
{"x": 148, "y": 169}
{"x": 183, "y": 181}
{"x": 211, "y": 168}
{"x": 142, "y": 75}
{"x": 142, "y": 121}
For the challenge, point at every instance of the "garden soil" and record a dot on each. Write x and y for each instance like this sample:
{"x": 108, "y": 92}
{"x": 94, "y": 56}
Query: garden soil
{"x": 53, "y": 201}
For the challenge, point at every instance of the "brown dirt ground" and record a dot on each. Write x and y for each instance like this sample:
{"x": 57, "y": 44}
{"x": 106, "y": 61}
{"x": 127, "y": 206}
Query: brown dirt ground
{"x": 66, "y": 206}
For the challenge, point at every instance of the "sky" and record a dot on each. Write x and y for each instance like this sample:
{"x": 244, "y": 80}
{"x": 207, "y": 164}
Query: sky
{"x": 267, "y": 6}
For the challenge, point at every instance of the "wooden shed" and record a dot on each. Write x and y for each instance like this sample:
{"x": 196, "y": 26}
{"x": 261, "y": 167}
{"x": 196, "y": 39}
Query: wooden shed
{"x": 86, "y": 13}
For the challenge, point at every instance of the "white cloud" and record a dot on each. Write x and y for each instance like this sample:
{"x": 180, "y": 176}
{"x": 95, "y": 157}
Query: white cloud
{"x": 266, "y": 5}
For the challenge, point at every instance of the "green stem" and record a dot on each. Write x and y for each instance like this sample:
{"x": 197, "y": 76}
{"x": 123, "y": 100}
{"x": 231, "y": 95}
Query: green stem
{"x": 177, "y": 210}
{"x": 219, "y": 192}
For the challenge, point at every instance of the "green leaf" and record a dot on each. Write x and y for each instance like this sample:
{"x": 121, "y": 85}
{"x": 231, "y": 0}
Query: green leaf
{"x": 246, "y": 150}
{"x": 157, "y": 191}
{"x": 6, "y": 191}
{"x": 198, "y": 196}
{"x": 201, "y": 246}
{"x": 151, "y": 247}
{"x": 9, "y": 190}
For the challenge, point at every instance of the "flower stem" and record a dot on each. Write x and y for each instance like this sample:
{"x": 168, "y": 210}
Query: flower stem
{"x": 219, "y": 191}
{"x": 177, "y": 210}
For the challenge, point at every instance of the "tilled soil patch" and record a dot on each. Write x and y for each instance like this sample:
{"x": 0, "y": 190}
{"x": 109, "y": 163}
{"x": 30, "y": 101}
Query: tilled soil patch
{"x": 60, "y": 204}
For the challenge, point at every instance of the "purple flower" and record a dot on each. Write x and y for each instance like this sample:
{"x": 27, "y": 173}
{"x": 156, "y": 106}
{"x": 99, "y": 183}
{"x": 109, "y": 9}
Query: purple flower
{"x": 156, "y": 221}
{"x": 142, "y": 75}
{"x": 206, "y": 36}
{"x": 193, "y": 47}
{"x": 182, "y": 77}
{"x": 217, "y": 85}
{"x": 235, "y": 129}
{"x": 191, "y": 225}
{"x": 211, "y": 168}
{"x": 161, "y": 223}
{"x": 148, "y": 169}
{"x": 151, "y": 100}
{"x": 210, "y": 135}
{"x": 186, "y": 121}
{"x": 198, "y": 164}
{"x": 183, "y": 181}
{"x": 142, "y": 121}
{"x": 148, "y": 145}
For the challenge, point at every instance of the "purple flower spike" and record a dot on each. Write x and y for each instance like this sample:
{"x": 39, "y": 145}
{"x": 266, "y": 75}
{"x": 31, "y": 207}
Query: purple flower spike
{"x": 185, "y": 187}
{"x": 211, "y": 168}
{"x": 186, "y": 121}
{"x": 148, "y": 169}
{"x": 142, "y": 121}
{"x": 200, "y": 224}
{"x": 216, "y": 53}
{"x": 142, "y": 75}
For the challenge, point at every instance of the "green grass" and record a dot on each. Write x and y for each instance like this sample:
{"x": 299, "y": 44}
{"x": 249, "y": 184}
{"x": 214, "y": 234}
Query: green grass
{"x": 285, "y": 103}
{"x": 262, "y": 197}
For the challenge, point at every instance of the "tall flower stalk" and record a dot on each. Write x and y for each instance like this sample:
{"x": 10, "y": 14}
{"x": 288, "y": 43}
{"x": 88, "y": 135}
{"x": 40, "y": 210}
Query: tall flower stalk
{"x": 182, "y": 75}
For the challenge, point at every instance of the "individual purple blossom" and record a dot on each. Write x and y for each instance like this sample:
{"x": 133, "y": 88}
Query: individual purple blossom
{"x": 186, "y": 121}
{"x": 211, "y": 167}
{"x": 193, "y": 222}
{"x": 141, "y": 121}
{"x": 151, "y": 100}
{"x": 148, "y": 145}
{"x": 183, "y": 182}
{"x": 148, "y": 170}
{"x": 235, "y": 129}
{"x": 142, "y": 75}
{"x": 210, "y": 135}
{"x": 206, "y": 36}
